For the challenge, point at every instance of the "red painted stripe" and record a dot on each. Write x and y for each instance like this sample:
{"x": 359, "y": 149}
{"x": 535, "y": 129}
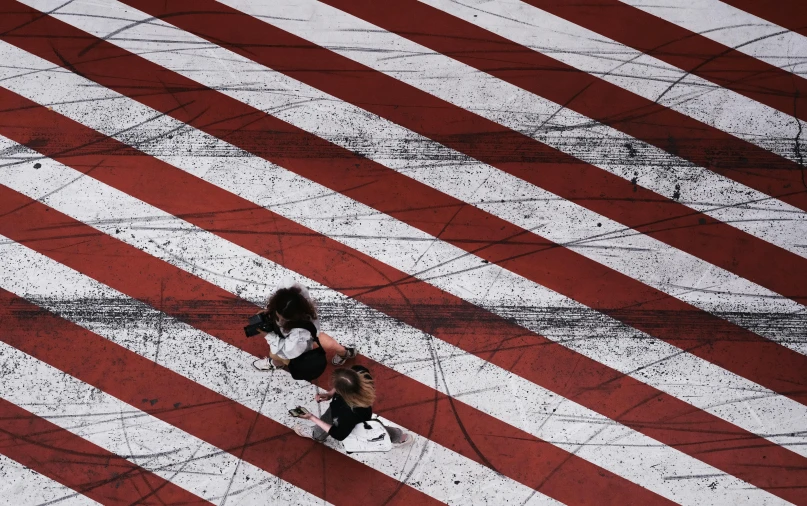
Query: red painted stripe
{"x": 639, "y": 117}
{"x": 448, "y": 422}
{"x": 460, "y": 224}
{"x": 589, "y": 95}
{"x": 607, "y": 103}
{"x": 79, "y": 464}
{"x": 195, "y": 409}
{"x": 687, "y": 50}
{"x": 589, "y": 186}
{"x": 381, "y": 287}
{"x": 791, "y": 14}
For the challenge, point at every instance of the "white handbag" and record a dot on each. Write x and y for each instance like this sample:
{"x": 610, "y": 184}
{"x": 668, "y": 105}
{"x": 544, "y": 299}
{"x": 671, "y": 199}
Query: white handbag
{"x": 369, "y": 436}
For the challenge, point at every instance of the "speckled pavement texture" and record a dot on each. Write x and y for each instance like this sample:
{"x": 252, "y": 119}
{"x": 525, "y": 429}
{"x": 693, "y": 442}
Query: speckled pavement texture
{"x": 568, "y": 239}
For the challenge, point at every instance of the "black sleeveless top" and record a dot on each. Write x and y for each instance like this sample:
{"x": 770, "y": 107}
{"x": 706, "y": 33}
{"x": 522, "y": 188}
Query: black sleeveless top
{"x": 343, "y": 417}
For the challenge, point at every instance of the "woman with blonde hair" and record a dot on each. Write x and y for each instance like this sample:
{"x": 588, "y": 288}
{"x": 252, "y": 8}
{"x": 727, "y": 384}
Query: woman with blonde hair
{"x": 295, "y": 317}
{"x": 352, "y": 398}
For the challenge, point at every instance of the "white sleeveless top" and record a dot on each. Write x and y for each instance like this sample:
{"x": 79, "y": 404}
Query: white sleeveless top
{"x": 297, "y": 341}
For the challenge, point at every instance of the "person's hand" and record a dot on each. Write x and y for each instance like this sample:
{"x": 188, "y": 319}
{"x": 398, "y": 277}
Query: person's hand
{"x": 307, "y": 416}
{"x": 322, "y": 397}
{"x": 261, "y": 312}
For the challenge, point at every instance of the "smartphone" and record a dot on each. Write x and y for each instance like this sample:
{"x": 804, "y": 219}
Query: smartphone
{"x": 298, "y": 412}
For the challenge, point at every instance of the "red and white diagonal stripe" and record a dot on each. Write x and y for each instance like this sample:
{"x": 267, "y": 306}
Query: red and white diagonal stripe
{"x": 570, "y": 241}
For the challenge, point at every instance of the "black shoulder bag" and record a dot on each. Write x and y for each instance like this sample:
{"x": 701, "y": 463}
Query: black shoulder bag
{"x": 312, "y": 363}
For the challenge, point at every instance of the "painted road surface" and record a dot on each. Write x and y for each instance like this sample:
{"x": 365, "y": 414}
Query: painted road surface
{"x": 569, "y": 241}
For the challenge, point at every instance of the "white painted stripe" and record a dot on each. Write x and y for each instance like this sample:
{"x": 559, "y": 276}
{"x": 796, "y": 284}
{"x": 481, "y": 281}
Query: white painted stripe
{"x": 632, "y": 70}
{"x": 417, "y": 157}
{"x": 142, "y": 439}
{"x": 642, "y": 257}
{"x": 461, "y": 275}
{"x": 415, "y": 253}
{"x": 530, "y": 398}
{"x": 477, "y": 383}
{"x": 572, "y": 133}
{"x": 22, "y": 486}
{"x": 734, "y": 28}
{"x": 425, "y": 465}
{"x": 652, "y": 262}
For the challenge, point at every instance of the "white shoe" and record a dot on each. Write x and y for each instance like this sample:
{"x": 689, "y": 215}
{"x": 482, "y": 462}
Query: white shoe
{"x": 339, "y": 359}
{"x": 264, "y": 364}
{"x": 304, "y": 431}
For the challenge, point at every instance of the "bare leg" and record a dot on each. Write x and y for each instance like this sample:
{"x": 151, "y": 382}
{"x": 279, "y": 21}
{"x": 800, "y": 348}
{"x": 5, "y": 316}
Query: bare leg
{"x": 277, "y": 361}
{"x": 329, "y": 344}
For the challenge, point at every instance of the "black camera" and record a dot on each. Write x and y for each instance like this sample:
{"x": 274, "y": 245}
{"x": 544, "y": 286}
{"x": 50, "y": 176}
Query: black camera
{"x": 257, "y": 323}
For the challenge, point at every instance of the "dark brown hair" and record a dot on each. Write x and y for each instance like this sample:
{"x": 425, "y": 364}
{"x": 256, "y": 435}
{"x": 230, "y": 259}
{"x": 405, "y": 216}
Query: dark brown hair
{"x": 291, "y": 304}
{"x": 357, "y": 388}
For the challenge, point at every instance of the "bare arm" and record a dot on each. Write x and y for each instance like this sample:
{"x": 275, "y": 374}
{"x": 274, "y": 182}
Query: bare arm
{"x": 326, "y": 396}
{"x": 322, "y": 425}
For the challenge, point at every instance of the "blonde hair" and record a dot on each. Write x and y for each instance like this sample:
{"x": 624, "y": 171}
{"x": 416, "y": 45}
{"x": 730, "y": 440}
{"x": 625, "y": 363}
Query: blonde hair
{"x": 355, "y": 387}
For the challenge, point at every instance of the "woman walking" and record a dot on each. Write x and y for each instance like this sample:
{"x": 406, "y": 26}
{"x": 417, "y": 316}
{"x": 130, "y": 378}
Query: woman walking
{"x": 293, "y": 311}
{"x": 352, "y": 398}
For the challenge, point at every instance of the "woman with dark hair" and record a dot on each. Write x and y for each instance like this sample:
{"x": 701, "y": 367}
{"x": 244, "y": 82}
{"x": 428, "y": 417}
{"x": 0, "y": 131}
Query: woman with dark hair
{"x": 289, "y": 305}
{"x": 352, "y": 398}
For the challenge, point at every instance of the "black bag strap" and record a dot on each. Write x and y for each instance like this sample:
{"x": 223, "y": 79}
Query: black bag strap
{"x": 307, "y": 325}
{"x": 373, "y": 419}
